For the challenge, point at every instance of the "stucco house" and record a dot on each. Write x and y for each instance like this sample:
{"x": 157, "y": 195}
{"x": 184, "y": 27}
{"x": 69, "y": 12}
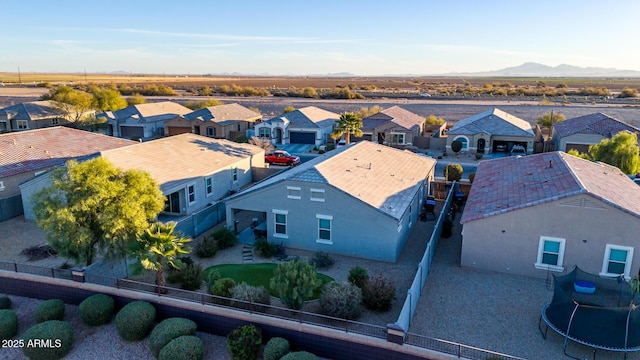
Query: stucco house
{"x": 493, "y": 131}
{"x": 580, "y": 132}
{"x": 224, "y": 122}
{"x": 393, "y": 126}
{"x": 193, "y": 171}
{"x": 142, "y": 121}
{"x": 361, "y": 200}
{"x": 27, "y": 154}
{"x": 543, "y": 213}
{"x": 309, "y": 125}
{"x": 31, "y": 115}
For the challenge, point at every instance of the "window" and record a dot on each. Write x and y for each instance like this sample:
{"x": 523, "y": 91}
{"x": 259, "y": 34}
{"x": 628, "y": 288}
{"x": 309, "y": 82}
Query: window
{"x": 317, "y": 195}
{"x": 324, "y": 229}
{"x": 397, "y": 138}
{"x": 550, "y": 253}
{"x": 294, "y": 192}
{"x": 55, "y": 121}
{"x": 265, "y": 132}
{"x": 211, "y": 131}
{"x": 617, "y": 261}
{"x": 238, "y": 127}
{"x": 22, "y": 124}
{"x": 1, "y": 186}
{"x": 235, "y": 174}
{"x": 208, "y": 185}
{"x": 464, "y": 141}
{"x": 280, "y": 223}
{"x": 172, "y": 203}
{"x": 191, "y": 194}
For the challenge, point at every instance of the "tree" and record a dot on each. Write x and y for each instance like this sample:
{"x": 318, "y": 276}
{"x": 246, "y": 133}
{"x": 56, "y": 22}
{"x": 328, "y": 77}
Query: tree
{"x": 348, "y": 124}
{"x": 95, "y": 208}
{"x": 136, "y": 99}
{"x": 456, "y": 146}
{"x": 295, "y": 281}
{"x": 264, "y": 144}
{"x": 76, "y": 104}
{"x": 365, "y": 112}
{"x": 108, "y": 99}
{"x": 620, "y": 151}
{"x": 548, "y": 119}
{"x": 159, "y": 246}
{"x": 288, "y": 109}
{"x": 433, "y": 120}
{"x": 628, "y": 92}
{"x": 452, "y": 172}
{"x": 196, "y": 105}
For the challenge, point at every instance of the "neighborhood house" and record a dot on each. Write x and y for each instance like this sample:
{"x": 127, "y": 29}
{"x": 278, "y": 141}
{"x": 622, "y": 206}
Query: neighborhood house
{"x": 309, "y": 125}
{"x": 580, "y": 132}
{"x": 394, "y": 126}
{"x": 222, "y": 121}
{"x": 32, "y": 115}
{"x": 142, "y": 121}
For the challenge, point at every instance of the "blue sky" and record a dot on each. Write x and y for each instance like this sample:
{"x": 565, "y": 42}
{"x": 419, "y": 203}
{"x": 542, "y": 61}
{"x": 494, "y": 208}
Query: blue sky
{"x": 315, "y": 37}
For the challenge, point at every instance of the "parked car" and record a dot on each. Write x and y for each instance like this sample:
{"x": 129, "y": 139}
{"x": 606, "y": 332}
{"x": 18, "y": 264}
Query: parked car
{"x": 518, "y": 150}
{"x": 281, "y": 157}
{"x": 341, "y": 143}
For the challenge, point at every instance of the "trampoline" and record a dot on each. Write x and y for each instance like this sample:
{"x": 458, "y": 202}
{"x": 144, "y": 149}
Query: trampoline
{"x": 598, "y": 312}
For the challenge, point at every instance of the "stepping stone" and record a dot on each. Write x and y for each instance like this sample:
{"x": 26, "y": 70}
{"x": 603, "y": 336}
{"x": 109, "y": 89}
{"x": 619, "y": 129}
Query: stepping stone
{"x": 247, "y": 254}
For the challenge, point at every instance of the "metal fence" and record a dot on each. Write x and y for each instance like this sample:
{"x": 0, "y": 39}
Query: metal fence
{"x": 453, "y": 348}
{"x": 200, "y": 221}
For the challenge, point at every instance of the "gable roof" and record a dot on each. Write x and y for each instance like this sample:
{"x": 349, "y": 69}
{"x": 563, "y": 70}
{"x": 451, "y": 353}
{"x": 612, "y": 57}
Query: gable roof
{"x": 493, "y": 122}
{"x": 150, "y": 112}
{"x": 512, "y": 183}
{"x": 33, "y": 110}
{"x": 308, "y": 117}
{"x": 32, "y": 150}
{"x": 395, "y": 114}
{"x": 223, "y": 113}
{"x": 178, "y": 159}
{"x": 597, "y": 123}
{"x": 382, "y": 177}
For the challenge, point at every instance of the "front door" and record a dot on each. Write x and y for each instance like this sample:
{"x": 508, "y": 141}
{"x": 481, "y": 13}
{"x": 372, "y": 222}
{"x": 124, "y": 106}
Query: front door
{"x": 380, "y": 138}
{"x": 481, "y": 144}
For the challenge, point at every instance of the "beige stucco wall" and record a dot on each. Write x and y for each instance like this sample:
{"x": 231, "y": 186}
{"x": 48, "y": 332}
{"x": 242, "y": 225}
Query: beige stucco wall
{"x": 473, "y": 141}
{"x": 509, "y": 242}
{"x": 11, "y": 183}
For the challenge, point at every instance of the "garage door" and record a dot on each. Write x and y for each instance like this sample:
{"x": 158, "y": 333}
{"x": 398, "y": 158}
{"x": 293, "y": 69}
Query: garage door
{"x": 177, "y": 130}
{"x": 131, "y": 131}
{"x": 580, "y": 147}
{"x": 302, "y": 137}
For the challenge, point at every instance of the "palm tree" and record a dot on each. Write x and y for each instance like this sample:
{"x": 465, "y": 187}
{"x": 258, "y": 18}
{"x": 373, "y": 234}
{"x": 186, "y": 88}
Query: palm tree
{"x": 548, "y": 119}
{"x": 348, "y": 124}
{"x": 158, "y": 246}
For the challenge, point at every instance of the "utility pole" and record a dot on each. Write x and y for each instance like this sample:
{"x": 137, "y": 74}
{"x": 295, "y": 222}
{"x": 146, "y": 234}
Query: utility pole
{"x": 19, "y": 77}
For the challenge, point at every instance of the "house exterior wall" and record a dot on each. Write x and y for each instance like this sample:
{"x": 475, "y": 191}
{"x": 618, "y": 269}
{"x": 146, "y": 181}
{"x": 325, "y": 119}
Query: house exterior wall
{"x": 489, "y": 140}
{"x": 150, "y": 128}
{"x": 509, "y": 242}
{"x": 351, "y": 224}
{"x": 29, "y": 189}
{"x": 585, "y": 139}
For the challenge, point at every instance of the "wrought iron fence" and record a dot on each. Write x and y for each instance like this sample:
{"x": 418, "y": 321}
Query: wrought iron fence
{"x": 453, "y": 348}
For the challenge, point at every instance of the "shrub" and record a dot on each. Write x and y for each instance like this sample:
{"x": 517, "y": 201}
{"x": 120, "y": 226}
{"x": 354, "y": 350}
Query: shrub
{"x": 222, "y": 287}
{"x": 244, "y": 342}
{"x": 186, "y": 347}
{"x": 295, "y": 282}
{"x": 276, "y": 348}
{"x": 168, "y": 330}
{"x": 97, "y": 309}
{"x": 135, "y": 319}
{"x": 8, "y": 324}
{"x": 322, "y": 260}
{"x": 248, "y": 293}
{"x": 5, "y": 302}
{"x": 299, "y": 355}
{"x": 192, "y": 277}
{"x": 226, "y": 238}
{"x": 52, "y": 331}
{"x": 242, "y": 139}
{"x": 264, "y": 248}
{"x": 212, "y": 276}
{"x": 358, "y": 276}
{"x": 341, "y": 300}
{"x": 207, "y": 247}
{"x": 453, "y": 172}
{"x": 378, "y": 293}
{"x": 49, "y": 310}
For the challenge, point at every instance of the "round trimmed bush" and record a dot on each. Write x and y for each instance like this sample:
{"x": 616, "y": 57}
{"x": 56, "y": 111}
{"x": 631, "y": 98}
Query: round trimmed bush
{"x": 378, "y": 293}
{"x": 8, "y": 324}
{"x": 97, "y": 309}
{"x": 56, "y": 334}
{"x": 135, "y": 319}
{"x": 49, "y": 310}
{"x": 168, "y": 330}
{"x": 276, "y": 348}
{"x": 299, "y": 355}
{"x": 186, "y": 347}
{"x": 341, "y": 300}
{"x": 244, "y": 342}
{"x": 5, "y": 302}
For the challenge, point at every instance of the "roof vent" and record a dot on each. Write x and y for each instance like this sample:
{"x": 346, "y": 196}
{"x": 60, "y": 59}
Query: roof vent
{"x": 550, "y": 164}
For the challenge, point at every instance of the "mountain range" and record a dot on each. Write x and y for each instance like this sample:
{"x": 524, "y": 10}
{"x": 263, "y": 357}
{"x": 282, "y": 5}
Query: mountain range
{"x": 532, "y": 69}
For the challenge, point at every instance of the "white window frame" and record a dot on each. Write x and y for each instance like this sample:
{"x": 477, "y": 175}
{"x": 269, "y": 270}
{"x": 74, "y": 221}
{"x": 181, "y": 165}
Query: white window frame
{"x": 559, "y": 266}
{"x": 189, "y": 194}
{"x": 1, "y": 186}
{"x": 211, "y": 131}
{"x": 314, "y": 193}
{"x": 404, "y": 138}
{"x": 234, "y": 174}
{"x": 22, "y": 124}
{"x": 208, "y": 187}
{"x": 267, "y": 132}
{"x": 607, "y": 258}
{"x": 319, "y": 240}
{"x": 465, "y": 143}
{"x": 294, "y": 192}
{"x": 276, "y": 212}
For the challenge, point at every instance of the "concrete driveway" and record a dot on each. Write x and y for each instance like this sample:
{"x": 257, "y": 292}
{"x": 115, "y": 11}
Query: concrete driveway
{"x": 296, "y": 148}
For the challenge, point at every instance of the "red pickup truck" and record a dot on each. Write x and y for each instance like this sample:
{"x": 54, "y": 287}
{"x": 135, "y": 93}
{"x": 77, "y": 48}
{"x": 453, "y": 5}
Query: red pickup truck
{"x": 280, "y": 157}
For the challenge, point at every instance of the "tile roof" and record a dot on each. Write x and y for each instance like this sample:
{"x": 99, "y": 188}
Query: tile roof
{"x": 493, "y": 122}
{"x": 597, "y": 123}
{"x": 512, "y": 183}
{"x": 150, "y": 112}
{"x": 223, "y": 113}
{"x": 404, "y": 118}
{"x": 177, "y": 159}
{"x": 32, "y": 150}
{"x": 33, "y": 110}
{"x": 308, "y": 117}
{"x": 380, "y": 176}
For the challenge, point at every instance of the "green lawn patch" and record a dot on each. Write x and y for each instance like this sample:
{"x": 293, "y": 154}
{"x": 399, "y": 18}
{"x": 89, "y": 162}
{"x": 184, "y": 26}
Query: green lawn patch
{"x": 256, "y": 275}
